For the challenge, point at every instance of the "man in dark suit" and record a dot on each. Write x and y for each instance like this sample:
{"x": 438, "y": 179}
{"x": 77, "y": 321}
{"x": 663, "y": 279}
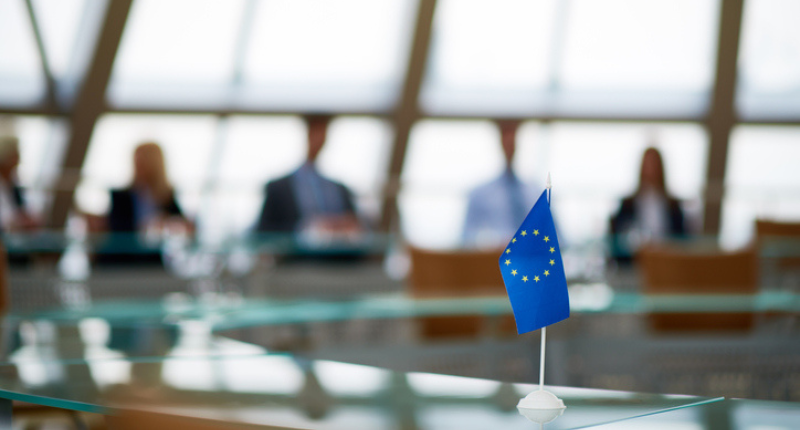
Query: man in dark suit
{"x": 306, "y": 200}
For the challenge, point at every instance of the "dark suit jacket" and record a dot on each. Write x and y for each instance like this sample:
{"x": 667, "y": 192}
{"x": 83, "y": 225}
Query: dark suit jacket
{"x": 626, "y": 217}
{"x": 281, "y": 211}
{"x": 122, "y": 217}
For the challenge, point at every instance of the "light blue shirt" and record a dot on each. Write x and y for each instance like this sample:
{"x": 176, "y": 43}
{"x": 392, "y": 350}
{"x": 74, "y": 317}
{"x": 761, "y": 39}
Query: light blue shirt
{"x": 495, "y": 211}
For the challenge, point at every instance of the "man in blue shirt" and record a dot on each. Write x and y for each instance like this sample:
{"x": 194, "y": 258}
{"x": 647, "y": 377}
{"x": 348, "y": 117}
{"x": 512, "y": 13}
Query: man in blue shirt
{"x": 497, "y": 208}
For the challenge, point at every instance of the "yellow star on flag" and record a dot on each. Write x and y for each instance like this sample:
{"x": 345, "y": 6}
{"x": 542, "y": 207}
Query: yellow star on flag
{"x": 508, "y": 262}
{"x": 514, "y": 240}
{"x": 514, "y": 272}
{"x": 551, "y": 249}
{"x": 536, "y": 232}
{"x": 547, "y": 272}
{"x": 536, "y": 278}
{"x": 547, "y": 239}
{"x": 552, "y": 262}
{"x": 508, "y": 251}
{"x": 524, "y": 233}
{"x": 524, "y": 279}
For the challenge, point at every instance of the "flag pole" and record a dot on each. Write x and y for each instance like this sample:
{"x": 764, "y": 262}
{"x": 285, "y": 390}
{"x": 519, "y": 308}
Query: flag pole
{"x": 544, "y": 329}
{"x": 542, "y": 406}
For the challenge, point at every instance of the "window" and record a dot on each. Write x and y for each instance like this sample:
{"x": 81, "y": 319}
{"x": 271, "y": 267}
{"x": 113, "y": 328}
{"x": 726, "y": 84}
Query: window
{"x": 584, "y": 57}
{"x": 329, "y": 55}
{"x": 445, "y": 160}
{"x": 177, "y": 51}
{"x": 271, "y": 54}
{"x": 187, "y": 141}
{"x": 592, "y": 166}
{"x": 60, "y": 22}
{"x": 21, "y": 78}
{"x": 489, "y": 56}
{"x": 762, "y": 180}
{"x": 769, "y": 60}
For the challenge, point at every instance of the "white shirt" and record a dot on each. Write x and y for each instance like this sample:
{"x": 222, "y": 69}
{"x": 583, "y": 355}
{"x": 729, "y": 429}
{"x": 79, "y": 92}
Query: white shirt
{"x": 651, "y": 214}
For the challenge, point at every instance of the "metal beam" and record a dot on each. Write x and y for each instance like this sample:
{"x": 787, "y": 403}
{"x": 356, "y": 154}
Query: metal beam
{"x": 51, "y": 98}
{"x": 722, "y": 115}
{"x": 407, "y": 110}
{"x": 89, "y": 104}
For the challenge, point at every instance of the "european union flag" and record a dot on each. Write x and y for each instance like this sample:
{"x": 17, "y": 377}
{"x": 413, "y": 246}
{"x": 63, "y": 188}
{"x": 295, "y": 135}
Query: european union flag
{"x": 534, "y": 273}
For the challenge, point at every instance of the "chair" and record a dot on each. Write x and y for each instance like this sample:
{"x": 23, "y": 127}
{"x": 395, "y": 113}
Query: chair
{"x": 436, "y": 274}
{"x": 780, "y": 243}
{"x": 672, "y": 271}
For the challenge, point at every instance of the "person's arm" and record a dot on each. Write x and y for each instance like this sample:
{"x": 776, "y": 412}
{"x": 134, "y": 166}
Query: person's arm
{"x": 275, "y": 216}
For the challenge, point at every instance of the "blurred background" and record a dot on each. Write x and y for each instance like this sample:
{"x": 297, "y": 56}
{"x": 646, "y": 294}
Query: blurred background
{"x": 422, "y": 106}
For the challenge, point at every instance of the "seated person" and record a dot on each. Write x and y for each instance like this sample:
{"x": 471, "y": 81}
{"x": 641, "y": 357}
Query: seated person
{"x": 147, "y": 207}
{"x": 651, "y": 215}
{"x": 496, "y": 209}
{"x": 14, "y": 215}
{"x": 307, "y": 203}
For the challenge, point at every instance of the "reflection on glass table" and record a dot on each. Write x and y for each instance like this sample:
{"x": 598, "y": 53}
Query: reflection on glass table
{"x": 283, "y": 391}
{"x": 38, "y": 345}
{"x": 225, "y": 314}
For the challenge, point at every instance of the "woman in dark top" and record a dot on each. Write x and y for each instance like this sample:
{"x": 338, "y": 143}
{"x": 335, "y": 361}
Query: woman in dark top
{"x": 148, "y": 205}
{"x": 650, "y": 215}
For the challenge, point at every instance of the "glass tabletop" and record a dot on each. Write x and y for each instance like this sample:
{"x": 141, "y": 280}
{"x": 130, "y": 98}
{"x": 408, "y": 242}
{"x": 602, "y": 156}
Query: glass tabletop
{"x": 285, "y": 391}
{"x": 730, "y": 414}
{"x": 231, "y": 313}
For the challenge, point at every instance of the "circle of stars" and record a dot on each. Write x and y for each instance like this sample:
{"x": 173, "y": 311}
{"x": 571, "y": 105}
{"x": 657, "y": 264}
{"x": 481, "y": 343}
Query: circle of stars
{"x": 515, "y": 272}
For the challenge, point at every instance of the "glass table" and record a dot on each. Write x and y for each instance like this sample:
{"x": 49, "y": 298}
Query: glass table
{"x": 285, "y": 391}
{"x": 228, "y": 313}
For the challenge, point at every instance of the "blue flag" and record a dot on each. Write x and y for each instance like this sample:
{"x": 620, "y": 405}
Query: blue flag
{"x": 534, "y": 273}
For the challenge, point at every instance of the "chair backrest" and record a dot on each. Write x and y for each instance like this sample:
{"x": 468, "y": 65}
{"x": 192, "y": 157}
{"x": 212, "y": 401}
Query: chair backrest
{"x": 780, "y": 229}
{"x": 456, "y": 274}
{"x": 669, "y": 271}
{"x": 781, "y": 241}
{"x": 437, "y": 273}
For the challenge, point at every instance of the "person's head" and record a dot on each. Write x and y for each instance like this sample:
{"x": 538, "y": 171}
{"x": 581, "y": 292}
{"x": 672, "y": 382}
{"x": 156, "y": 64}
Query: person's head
{"x": 651, "y": 176}
{"x": 317, "y": 133}
{"x": 149, "y": 168}
{"x": 508, "y": 138}
{"x": 9, "y": 154}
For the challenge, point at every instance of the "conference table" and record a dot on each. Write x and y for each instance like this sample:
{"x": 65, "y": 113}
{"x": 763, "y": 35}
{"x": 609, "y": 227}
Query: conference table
{"x": 224, "y": 381}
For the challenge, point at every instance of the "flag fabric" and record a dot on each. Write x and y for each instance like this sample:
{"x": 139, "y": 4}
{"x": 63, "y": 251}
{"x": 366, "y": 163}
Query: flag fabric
{"x": 533, "y": 271}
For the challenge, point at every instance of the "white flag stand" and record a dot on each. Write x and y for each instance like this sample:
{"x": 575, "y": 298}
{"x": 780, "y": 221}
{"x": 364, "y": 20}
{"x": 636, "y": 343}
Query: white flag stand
{"x": 541, "y": 406}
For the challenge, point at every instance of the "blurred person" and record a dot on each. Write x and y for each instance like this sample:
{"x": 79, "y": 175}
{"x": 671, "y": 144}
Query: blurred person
{"x": 149, "y": 202}
{"x": 305, "y": 201}
{"x": 650, "y": 216}
{"x": 141, "y": 213}
{"x": 14, "y": 215}
{"x": 496, "y": 209}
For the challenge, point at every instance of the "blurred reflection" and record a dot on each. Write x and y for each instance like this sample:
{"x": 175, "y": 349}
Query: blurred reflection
{"x": 496, "y": 209}
{"x": 650, "y": 215}
{"x": 37, "y": 358}
{"x": 107, "y": 366}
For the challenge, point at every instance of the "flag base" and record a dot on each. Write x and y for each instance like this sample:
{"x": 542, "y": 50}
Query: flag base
{"x": 541, "y": 406}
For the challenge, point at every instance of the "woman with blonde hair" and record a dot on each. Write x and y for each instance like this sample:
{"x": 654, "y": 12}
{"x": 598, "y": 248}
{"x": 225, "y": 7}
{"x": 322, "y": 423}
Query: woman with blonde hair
{"x": 149, "y": 199}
